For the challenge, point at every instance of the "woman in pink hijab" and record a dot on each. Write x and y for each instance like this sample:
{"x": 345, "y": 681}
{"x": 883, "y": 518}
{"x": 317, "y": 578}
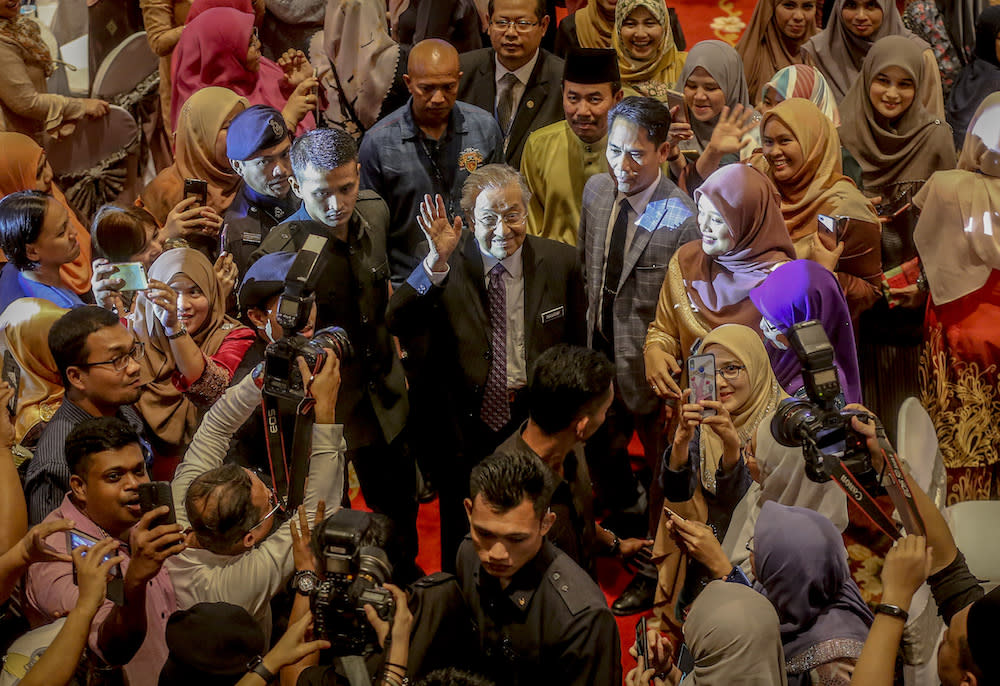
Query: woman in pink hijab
{"x": 219, "y": 47}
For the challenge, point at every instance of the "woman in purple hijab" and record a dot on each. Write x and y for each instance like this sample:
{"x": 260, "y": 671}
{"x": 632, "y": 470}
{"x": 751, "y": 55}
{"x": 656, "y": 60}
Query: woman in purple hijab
{"x": 796, "y": 292}
{"x": 801, "y": 567}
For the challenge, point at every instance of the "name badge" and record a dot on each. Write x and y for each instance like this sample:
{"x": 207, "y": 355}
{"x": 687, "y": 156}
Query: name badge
{"x": 554, "y": 313}
{"x": 251, "y": 238}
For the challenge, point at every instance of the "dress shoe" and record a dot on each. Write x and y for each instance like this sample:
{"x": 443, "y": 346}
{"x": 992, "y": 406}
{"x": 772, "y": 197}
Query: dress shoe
{"x": 637, "y": 596}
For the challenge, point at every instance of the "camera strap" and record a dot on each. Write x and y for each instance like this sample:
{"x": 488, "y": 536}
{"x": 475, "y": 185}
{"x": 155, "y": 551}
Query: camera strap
{"x": 898, "y": 490}
{"x": 289, "y": 478}
{"x": 852, "y": 487}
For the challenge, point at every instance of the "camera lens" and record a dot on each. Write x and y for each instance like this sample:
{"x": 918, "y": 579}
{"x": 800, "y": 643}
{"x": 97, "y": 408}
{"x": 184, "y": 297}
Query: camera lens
{"x": 791, "y": 421}
{"x": 334, "y": 338}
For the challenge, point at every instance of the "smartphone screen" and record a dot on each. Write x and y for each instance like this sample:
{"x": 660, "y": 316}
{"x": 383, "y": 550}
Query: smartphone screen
{"x": 641, "y": 641}
{"x": 197, "y": 188}
{"x": 133, "y": 274}
{"x": 12, "y": 375}
{"x": 676, "y": 99}
{"x": 701, "y": 380}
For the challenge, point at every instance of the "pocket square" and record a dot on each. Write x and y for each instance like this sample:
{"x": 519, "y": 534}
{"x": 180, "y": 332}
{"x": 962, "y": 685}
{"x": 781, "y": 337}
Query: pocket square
{"x": 554, "y": 313}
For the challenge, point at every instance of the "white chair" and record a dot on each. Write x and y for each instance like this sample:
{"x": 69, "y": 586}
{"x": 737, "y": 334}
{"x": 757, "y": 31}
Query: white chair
{"x": 974, "y": 523}
{"x": 918, "y": 448}
{"x": 98, "y": 162}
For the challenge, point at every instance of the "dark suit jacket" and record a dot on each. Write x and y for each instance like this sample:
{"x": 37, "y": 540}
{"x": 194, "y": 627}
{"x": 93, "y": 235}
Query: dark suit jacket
{"x": 540, "y": 105}
{"x": 451, "y": 325}
{"x": 670, "y": 221}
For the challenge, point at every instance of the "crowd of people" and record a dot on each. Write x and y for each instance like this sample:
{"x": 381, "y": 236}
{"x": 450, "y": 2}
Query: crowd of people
{"x": 554, "y": 277}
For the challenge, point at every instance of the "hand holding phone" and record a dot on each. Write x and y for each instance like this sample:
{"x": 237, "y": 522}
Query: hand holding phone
{"x": 641, "y": 641}
{"x": 701, "y": 379}
{"x": 154, "y": 494}
{"x": 197, "y": 188}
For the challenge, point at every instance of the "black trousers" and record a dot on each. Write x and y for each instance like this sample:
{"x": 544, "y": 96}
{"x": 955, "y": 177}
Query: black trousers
{"x": 388, "y": 477}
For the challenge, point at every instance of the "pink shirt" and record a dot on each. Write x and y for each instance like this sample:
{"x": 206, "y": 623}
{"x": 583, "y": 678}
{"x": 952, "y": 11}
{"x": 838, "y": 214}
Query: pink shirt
{"x": 50, "y": 589}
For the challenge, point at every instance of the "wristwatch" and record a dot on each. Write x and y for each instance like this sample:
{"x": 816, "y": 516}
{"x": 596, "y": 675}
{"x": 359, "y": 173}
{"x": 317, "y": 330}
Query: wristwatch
{"x": 892, "y": 611}
{"x": 256, "y": 666}
{"x": 616, "y": 544}
{"x": 304, "y": 581}
{"x": 177, "y": 334}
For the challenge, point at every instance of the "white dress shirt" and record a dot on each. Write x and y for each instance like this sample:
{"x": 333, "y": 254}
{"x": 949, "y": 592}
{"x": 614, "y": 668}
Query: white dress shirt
{"x": 522, "y": 74}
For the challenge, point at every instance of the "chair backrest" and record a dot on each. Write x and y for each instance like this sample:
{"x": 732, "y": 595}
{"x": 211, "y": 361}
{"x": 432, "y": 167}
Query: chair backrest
{"x": 125, "y": 67}
{"x": 98, "y": 162}
{"x": 918, "y": 446}
{"x": 973, "y": 523}
{"x": 109, "y": 23}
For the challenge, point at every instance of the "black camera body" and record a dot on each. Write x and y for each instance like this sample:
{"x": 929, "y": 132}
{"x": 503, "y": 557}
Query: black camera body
{"x": 354, "y": 574}
{"x": 282, "y": 378}
{"x": 824, "y": 432}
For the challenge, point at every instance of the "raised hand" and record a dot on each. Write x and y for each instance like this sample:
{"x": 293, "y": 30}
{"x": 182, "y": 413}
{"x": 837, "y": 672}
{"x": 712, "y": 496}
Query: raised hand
{"x": 907, "y": 566}
{"x": 188, "y": 217}
{"x": 301, "y": 102}
{"x": 92, "y": 572}
{"x": 295, "y": 65}
{"x": 302, "y": 536}
{"x": 106, "y": 288}
{"x": 33, "y": 547}
{"x": 679, "y": 131}
{"x": 730, "y": 133}
{"x": 164, "y": 301}
{"x": 151, "y": 547}
{"x": 226, "y": 272}
{"x": 442, "y": 235}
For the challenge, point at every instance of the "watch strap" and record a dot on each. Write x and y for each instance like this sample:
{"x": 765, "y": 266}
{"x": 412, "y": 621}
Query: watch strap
{"x": 177, "y": 334}
{"x": 257, "y": 667}
{"x": 304, "y": 573}
{"x": 892, "y": 611}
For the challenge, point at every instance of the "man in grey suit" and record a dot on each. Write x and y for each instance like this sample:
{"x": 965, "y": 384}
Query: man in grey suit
{"x": 515, "y": 80}
{"x": 633, "y": 221}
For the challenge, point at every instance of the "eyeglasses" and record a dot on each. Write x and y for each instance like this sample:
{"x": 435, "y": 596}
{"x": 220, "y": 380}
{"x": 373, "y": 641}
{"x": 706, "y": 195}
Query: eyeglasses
{"x": 509, "y": 219}
{"x": 273, "y": 500}
{"x": 119, "y": 363}
{"x": 730, "y": 372}
{"x": 521, "y": 25}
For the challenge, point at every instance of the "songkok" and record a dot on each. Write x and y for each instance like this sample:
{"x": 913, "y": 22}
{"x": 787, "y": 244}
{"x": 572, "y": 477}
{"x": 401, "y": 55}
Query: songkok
{"x": 208, "y": 643}
{"x": 984, "y": 618}
{"x": 265, "y": 279}
{"x": 254, "y": 129}
{"x": 591, "y": 65}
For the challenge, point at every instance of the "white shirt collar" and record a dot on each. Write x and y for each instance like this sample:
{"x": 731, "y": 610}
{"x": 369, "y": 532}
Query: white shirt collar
{"x": 512, "y": 263}
{"x": 523, "y": 73}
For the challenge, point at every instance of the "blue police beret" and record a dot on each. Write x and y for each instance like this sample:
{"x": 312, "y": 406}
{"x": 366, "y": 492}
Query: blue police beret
{"x": 254, "y": 129}
{"x": 265, "y": 278}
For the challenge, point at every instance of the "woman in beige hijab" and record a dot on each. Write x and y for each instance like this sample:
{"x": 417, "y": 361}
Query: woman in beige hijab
{"x": 773, "y": 40}
{"x": 192, "y": 348}
{"x": 801, "y": 154}
{"x": 958, "y": 238}
{"x": 25, "y": 325}
{"x": 199, "y": 153}
{"x": 887, "y": 130}
{"x": 648, "y": 60}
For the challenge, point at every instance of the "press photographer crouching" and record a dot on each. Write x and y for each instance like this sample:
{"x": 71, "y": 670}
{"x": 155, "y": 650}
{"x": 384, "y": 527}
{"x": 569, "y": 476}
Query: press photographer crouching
{"x": 237, "y": 551}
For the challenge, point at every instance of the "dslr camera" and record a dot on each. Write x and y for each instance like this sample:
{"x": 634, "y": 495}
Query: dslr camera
{"x": 354, "y": 574}
{"x": 282, "y": 378}
{"x": 824, "y": 432}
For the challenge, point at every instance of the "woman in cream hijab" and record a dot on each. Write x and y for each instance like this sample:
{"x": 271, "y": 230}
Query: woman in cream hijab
{"x": 648, "y": 60}
{"x": 25, "y": 325}
{"x": 957, "y": 238}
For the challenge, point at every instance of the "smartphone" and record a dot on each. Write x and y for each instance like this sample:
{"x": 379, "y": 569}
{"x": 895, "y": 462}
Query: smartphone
{"x": 676, "y": 99}
{"x": 116, "y": 586}
{"x": 133, "y": 274}
{"x": 701, "y": 380}
{"x": 830, "y": 226}
{"x": 12, "y": 375}
{"x": 641, "y": 642}
{"x": 672, "y": 513}
{"x": 197, "y": 188}
{"x": 155, "y": 494}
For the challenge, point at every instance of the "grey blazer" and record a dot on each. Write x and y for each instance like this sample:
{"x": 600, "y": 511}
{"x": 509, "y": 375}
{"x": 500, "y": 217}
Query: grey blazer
{"x": 670, "y": 221}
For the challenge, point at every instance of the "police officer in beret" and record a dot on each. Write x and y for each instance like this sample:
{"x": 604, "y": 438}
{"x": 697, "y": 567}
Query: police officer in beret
{"x": 257, "y": 146}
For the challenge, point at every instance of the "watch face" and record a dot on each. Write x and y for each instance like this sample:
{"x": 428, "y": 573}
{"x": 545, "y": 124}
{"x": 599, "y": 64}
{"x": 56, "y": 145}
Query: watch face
{"x": 305, "y": 583}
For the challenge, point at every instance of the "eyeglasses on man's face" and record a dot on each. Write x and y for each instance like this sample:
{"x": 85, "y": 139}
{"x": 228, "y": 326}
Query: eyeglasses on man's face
{"x": 120, "y": 362}
{"x": 521, "y": 25}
